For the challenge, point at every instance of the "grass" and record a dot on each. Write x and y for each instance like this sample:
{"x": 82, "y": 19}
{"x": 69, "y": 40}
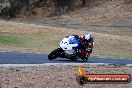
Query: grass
{"x": 8, "y": 39}
{"x": 43, "y": 39}
{"x": 43, "y": 43}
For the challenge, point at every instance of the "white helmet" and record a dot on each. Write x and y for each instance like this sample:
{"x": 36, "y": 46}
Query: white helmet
{"x": 88, "y": 36}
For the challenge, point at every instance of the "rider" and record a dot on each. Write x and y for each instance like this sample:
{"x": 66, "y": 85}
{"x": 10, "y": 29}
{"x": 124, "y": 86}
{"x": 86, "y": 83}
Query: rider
{"x": 88, "y": 42}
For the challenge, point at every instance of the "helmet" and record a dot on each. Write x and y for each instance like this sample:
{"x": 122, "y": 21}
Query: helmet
{"x": 67, "y": 36}
{"x": 88, "y": 37}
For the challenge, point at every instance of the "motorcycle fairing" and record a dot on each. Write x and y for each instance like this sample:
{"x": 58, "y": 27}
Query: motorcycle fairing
{"x": 68, "y": 43}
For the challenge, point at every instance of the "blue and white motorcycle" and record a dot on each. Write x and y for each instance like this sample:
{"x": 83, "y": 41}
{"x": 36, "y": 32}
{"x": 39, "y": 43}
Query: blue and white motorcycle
{"x": 69, "y": 48}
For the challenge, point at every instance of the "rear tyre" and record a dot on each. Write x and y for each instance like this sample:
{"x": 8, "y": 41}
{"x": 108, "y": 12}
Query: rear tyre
{"x": 85, "y": 59}
{"x": 54, "y": 54}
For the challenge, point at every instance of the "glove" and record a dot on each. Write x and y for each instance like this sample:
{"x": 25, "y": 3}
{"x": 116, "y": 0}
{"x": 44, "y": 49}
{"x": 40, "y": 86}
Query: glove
{"x": 89, "y": 49}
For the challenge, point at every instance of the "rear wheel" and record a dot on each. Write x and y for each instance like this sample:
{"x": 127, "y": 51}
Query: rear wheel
{"x": 84, "y": 58}
{"x": 55, "y": 53}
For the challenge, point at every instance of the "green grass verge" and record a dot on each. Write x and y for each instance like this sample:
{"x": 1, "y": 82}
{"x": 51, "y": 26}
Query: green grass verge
{"x": 8, "y": 39}
{"x": 44, "y": 43}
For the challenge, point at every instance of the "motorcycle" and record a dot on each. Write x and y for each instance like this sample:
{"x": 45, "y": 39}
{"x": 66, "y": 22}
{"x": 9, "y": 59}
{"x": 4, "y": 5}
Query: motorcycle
{"x": 69, "y": 48}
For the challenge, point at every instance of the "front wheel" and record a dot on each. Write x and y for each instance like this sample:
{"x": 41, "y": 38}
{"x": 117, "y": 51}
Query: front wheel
{"x": 54, "y": 54}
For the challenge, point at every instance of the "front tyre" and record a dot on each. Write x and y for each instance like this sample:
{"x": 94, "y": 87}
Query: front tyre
{"x": 54, "y": 54}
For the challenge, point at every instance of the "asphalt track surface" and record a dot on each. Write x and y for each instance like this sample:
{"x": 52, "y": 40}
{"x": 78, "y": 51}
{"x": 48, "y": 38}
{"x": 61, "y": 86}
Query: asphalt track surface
{"x": 32, "y": 58}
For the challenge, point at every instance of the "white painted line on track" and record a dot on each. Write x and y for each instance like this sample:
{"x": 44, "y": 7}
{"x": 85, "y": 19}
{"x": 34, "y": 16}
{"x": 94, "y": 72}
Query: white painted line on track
{"x": 3, "y": 51}
{"x": 56, "y": 64}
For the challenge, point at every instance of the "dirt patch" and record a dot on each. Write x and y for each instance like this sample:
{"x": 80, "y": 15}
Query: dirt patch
{"x": 57, "y": 76}
{"x": 110, "y": 12}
